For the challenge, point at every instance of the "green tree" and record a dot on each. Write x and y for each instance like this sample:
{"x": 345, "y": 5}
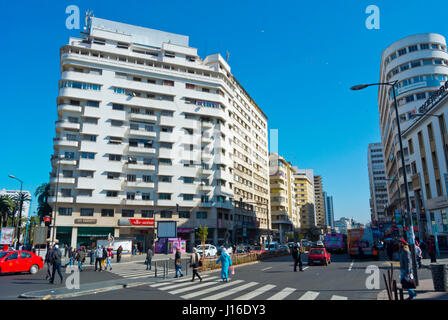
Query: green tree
{"x": 17, "y": 198}
{"x": 202, "y": 234}
{"x": 7, "y": 208}
{"x": 43, "y": 208}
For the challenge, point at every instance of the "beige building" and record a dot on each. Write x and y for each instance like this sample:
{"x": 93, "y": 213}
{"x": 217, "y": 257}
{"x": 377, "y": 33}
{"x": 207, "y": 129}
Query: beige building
{"x": 304, "y": 188}
{"x": 284, "y": 210}
{"x": 319, "y": 206}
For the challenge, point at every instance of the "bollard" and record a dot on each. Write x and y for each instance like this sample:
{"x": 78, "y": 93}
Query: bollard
{"x": 439, "y": 276}
{"x": 155, "y": 271}
{"x": 401, "y": 294}
{"x": 164, "y": 270}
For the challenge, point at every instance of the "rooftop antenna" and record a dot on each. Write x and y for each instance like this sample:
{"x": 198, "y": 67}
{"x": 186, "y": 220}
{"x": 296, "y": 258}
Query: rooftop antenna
{"x": 228, "y": 56}
{"x": 88, "y": 21}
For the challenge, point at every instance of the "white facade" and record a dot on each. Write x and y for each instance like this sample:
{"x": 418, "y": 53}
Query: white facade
{"x": 342, "y": 225}
{"x": 429, "y": 170}
{"x": 419, "y": 65}
{"x": 146, "y": 125}
{"x": 377, "y": 182}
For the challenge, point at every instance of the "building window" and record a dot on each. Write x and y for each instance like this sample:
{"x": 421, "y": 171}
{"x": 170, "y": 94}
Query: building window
{"x": 127, "y": 213}
{"x": 184, "y": 214}
{"x": 147, "y": 179}
{"x": 130, "y": 195}
{"x": 65, "y": 211}
{"x": 114, "y": 157}
{"x": 188, "y": 197}
{"x": 131, "y": 177}
{"x": 166, "y": 214}
{"x": 147, "y": 214}
{"x": 86, "y": 212}
{"x": 201, "y": 215}
{"x": 110, "y": 193}
{"x": 188, "y": 179}
{"x": 146, "y": 196}
{"x": 107, "y": 212}
{"x": 164, "y": 196}
{"x": 87, "y": 155}
{"x": 84, "y": 192}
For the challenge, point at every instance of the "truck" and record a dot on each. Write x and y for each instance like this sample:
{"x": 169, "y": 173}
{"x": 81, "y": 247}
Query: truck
{"x": 361, "y": 237}
{"x": 334, "y": 242}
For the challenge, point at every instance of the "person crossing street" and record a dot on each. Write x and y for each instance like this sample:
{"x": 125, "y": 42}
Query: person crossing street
{"x": 57, "y": 263}
{"x": 194, "y": 263}
{"x": 297, "y": 257}
{"x": 80, "y": 257}
{"x": 99, "y": 259}
{"x": 49, "y": 262}
{"x": 149, "y": 255}
{"x": 178, "y": 263}
{"x": 226, "y": 262}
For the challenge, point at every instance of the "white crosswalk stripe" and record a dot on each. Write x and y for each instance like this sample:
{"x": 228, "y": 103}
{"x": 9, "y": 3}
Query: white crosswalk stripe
{"x": 282, "y": 294}
{"x": 256, "y": 292}
{"x": 218, "y": 286}
{"x": 194, "y": 287}
{"x": 165, "y": 283}
{"x": 335, "y": 297}
{"x": 177, "y": 285}
{"x": 230, "y": 292}
{"x": 309, "y": 295}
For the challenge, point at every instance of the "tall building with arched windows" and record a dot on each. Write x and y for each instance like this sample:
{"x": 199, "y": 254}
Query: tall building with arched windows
{"x": 419, "y": 64}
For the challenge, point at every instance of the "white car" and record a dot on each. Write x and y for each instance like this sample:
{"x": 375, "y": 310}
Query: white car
{"x": 210, "y": 250}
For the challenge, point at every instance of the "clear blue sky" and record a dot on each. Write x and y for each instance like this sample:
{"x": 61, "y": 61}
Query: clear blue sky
{"x": 296, "y": 60}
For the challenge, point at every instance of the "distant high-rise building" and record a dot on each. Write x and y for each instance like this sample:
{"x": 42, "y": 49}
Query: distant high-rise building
{"x": 329, "y": 211}
{"x": 377, "y": 182}
{"x": 304, "y": 182}
{"x": 319, "y": 202}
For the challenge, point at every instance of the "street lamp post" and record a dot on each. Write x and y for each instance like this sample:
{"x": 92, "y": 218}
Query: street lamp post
{"x": 58, "y": 158}
{"x": 19, "y": 217}
{"x": 408, "y": 216}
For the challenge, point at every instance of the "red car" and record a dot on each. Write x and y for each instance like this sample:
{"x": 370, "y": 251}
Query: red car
{"x": 319, "y": 255}
{"x": 20, "y": 261}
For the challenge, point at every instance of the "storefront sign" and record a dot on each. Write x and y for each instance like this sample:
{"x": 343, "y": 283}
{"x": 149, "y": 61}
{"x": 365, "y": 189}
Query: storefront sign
{"x": 85, "y": 221}
{"x": 136, "y": 222}
{"x": 434, "y": 98}
{"x": 183, "y": 230}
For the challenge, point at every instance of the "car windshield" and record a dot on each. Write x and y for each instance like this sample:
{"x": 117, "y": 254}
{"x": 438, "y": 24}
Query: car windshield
{"x": 316, "y": 252}
{"x": 3, "y": 254}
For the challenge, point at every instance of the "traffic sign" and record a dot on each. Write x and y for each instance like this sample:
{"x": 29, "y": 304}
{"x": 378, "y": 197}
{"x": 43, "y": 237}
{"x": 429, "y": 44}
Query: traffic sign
{"x": 40, "y": 235}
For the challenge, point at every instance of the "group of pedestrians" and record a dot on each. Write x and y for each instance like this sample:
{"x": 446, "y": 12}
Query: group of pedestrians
{"x": 103, "y": 258}
{"x": 296, "y": 254}
{"x": 53, "y": 259}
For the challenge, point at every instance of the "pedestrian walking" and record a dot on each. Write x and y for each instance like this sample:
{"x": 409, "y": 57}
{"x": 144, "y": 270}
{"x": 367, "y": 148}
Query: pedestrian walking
{"x": 418, "y": 254}
{"x": 70, "y": 257}
{"x": 360, "y": 251}
{"x": 92, "y": 255}
{"x": 194, "y": 263}
{"x": 432, "y": 251}
{"x": 99, "y": 259}
{"x": 149, "y": 255}
{"x": 49, "y": 262}
{"x": 178, "y": 263}
{"x": 109, "y": 257}
{"x": 119, "y": 251}
{"x": 234, "y": 249}
{"x": 390, "y": 250}
{"x": 65, "y": 250}
{"x": 57, "y": 263}
{"x": 104, "y": 260}
{"x": 297, "y": 257}
{"x": 406, "y": 277}
{"x": 80, "y": 257}
{"x": 226, "y": 262}
{"x": 424, "y": 248}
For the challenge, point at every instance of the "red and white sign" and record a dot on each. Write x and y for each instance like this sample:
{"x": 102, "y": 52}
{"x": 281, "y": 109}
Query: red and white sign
{"x": 136, "y": 222}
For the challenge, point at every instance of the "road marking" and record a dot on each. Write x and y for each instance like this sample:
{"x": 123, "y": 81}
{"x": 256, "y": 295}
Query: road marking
{"x": 194, "y": 287}
{"x": 351, "y": 266}
{"x": 266, "y": 268}
{"x": 309, "y": 295}
{"x": 256, "y": 292}
{"x": 305, "y": 268}
{"x": 164, "y": 283}
{"x": 282, "y": 294}
{"x": 218, "y": 287}
{"x": 338, "y": 298}
{"x": 230, "y": 292}
{"x": 181, "y": 284}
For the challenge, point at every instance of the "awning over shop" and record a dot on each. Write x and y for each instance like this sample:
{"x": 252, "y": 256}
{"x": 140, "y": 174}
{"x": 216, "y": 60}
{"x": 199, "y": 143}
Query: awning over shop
{"x": 94, "y": 232}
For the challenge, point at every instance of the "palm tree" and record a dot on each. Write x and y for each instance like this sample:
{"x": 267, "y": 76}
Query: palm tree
{"x": 20, "y": 197}
{"x": 43, "y": 208}
{"x": 7, "y": 207}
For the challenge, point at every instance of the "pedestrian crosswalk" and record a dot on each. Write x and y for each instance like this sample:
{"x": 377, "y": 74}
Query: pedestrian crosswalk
{"x": 138, "y": 272}
{"x": 212, "y": 288}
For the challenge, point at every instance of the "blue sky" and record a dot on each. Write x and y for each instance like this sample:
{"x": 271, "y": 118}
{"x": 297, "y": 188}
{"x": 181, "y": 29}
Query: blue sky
{"x": 297, "y": 61}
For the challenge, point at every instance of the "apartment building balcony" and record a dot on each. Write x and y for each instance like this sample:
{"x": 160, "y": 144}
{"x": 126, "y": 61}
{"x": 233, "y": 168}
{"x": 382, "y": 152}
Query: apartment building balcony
{"x": 222, "y": 159}
{"x": 278, "y": 186}
{"x": 167, "y": 121}
{"x": 224, "y": 205}
{"x": 223, "y": 175}
{"x": 81, "y": 77}
{"x": 143, "y": 102}
{"x": 166, "y": 203}
{"x": 223, "y": 190}
{"x": 205, "y": 139}
{"x": 64, "y": 143}
{"x": 65, "y": 125}
{"x": 220, "y": 143}
{"x": 207, "y": 124}
{"x": 137, "y": 202}
{"x": 205, "y": 188}
{"x": 142, "y": 117}
{"x": 190, "y": 188}
{"x": 277, "y": 202}
{"x": 63, "y": 108}
{"x": 140, "y": 167}
{"x": 191, "y": 124}
{"x": 66, "y": 162}
{"x": 141, "y": 150}
{"x": 206, "y": 154}
{"x": 167, "y": 137}
{"x": 165, "y": 187}
{"x": 142, "y": 133}
{"x": 139, "y": 184}
{"x": 60, "y": 199}
{"x": 79, "y": 93}
{"x": 167, "y": 153}
{"x": 62, "y": 180}
{"x": 190, "y": 171}
{"x": 204, "y": 172}
{"x": 221, "y": 127}
{"x": 88, "y": 183}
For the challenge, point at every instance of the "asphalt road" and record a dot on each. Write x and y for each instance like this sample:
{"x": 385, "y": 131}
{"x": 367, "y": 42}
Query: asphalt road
{"x": 343, "y": 279}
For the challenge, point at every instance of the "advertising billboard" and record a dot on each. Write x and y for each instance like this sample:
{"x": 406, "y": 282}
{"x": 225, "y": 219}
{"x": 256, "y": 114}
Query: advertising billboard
{"x": 7, "y": 236}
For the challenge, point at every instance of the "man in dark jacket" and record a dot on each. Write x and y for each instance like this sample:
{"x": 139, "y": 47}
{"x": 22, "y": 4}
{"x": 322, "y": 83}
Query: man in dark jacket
{"x": 406, "y": 265}
{"x": 57, "y": 263}
{"x": 119, "y": 251}
{"x": 49, "y": 262}
{"x": 297, "y": 256}
{"x": 149, "y": 256}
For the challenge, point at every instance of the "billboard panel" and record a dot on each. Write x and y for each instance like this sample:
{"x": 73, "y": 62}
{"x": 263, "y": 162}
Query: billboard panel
{"x": 167, "y": 229}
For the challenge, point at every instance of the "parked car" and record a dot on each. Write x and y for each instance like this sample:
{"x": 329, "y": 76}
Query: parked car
{"x": 257, "y": 249}
{"x": 20, "y": 261}
{"x": 319, "y": 244}
{"x": 210, "y": 250}
{"x": 319, "y": 255}
{"x": 283, "y": 247}
{"x": 272, "y": 246}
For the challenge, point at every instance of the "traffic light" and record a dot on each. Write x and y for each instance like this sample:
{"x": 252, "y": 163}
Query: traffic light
{"x": 47, "y": 220}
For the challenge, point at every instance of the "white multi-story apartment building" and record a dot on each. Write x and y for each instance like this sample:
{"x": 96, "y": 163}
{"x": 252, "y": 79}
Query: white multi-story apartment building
{"x": 342, "y": 225}
{"x": 148, "y": 131}
{"x": 419, "y": 65}
{"x": 377, "y": 182}
{"x": 427, "y": 139}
